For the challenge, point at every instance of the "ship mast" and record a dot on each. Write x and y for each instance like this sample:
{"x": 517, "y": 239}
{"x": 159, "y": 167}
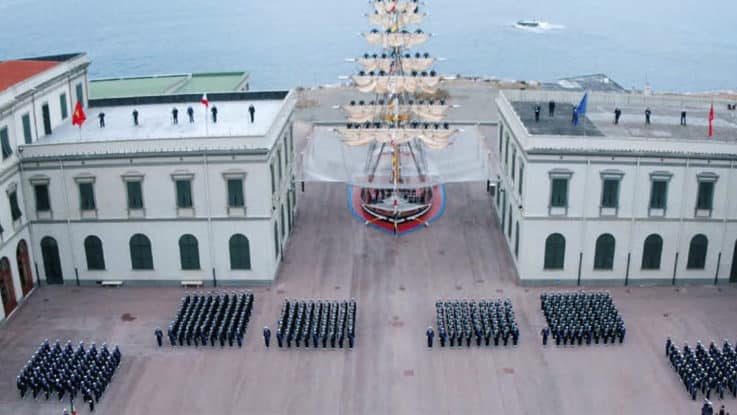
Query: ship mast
{"x": 399, "y": 124}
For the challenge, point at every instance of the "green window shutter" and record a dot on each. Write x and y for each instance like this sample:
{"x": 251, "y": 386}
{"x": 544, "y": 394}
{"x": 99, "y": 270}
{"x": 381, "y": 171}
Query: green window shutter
{"x": 697, "y": 252}
{"x": 80, "y": 94}
{"x": 184, "y": 193}
{"x": 273, "y": 178}
{"x": 42, "y": 197}
{"x": 189, "y": 254}
{"x": 27, "y": 133}
{"x": 658, "y": 194}
{"x": 240, "y": 253}
{"x": 15, "y": 212}
{"x": 705, "y": 196}
{"x": 5, "y": 143}
{"x": 94, "y": 254}
{"x": 279, "y": 163}
{"x": 555, "y": 249}
{"x": 235, "y": 193}
{"x": 652, "y": 252}
{"x": 135, "y": 195}
{"x": 610, "y": 193}
{"x": 63, "y": 106}
{"x": 87, "y": 196}
{"x": 559, "y": 196}
{"x": 140, "y": 249}
{"x": 604, "y": 253}
{"x": 520, "y": 180}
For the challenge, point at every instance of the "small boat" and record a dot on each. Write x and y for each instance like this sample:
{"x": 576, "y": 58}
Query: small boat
{"x": 528, "y": 23}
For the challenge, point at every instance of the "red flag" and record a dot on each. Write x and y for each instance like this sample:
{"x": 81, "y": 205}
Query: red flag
{"x": 204, "y": 101}
{"x": 78, "y": 118}
{"x": 711, "y": 120}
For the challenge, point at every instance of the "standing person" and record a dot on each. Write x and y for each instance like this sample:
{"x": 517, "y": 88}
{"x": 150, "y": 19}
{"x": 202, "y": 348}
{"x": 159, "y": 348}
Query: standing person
{"x": 101, "y": 116}
{"x": 545, "y": 332}
{"x": 683, "y": 118}
{"x": 190, "y": 113}
{"x": 135, "y": 118}
{"x": 214, "y": 111}
{"x": 175, "y": 116}
{"x": 551, "y": 108}
{"x": 537, "y": 113}
{"x": 648, "y": 113}
{"x": 617, "y": 115}
{"x": 279, "y": 337}
{"x": 267, "y": 335}
{"x": 252, "y": 111}
{"x": 430, "y": 334}
{"x": 159, "y": 335}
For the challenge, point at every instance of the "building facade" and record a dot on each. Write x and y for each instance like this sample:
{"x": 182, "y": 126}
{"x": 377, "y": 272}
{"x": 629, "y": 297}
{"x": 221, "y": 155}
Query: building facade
{"x": 617, "y": 203}
{"x": 146, "y": 199}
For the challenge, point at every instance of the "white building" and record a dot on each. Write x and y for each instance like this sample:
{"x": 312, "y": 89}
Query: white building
{"x": 600, "y": 202}
{"x": 155, "y": 202}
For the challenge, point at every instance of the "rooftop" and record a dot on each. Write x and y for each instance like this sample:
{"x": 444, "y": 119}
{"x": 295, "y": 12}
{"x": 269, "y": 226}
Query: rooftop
{"x": 157, "y": 132}
{"x": 14, "y": 72}
{"x": 198, "y": 83}
{"x": 663, "y": 134}
{"x": 595, "y": 82}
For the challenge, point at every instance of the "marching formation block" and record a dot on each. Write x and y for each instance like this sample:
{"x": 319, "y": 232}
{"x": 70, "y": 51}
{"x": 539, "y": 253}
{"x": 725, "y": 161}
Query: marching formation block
{"x": 69, "y": 371}
{"x": 706, "y": 370}
{"x": 214, "y": 316}
{"x": 322, "y": 321}
{"x": 575, "y": 317}
{"x": 486, "y": 320}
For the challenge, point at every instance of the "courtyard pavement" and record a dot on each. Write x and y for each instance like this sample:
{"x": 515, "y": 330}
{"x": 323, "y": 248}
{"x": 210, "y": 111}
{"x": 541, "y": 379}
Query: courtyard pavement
{"x": 391, "y": 371}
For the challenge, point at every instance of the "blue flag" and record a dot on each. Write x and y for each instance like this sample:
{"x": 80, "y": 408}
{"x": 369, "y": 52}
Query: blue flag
{"x": 580, "y": 108}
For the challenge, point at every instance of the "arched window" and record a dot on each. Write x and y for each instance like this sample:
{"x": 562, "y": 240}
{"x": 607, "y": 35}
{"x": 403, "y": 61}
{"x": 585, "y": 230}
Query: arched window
{"x": 240, "y": 252}
{"x": 652, "y": 251}
{"x": 189, "y": 252}
{"x": 93, "y": 251}
{"x": 697, "y": 252}
{"x": 604, "y": 255}
{"x": 52, "y": 262}
{"x": 140, "y": 247}
{"x": 555, "y": 251}
{"x": 7, "y": 291}
{"x": 24, "y": 266}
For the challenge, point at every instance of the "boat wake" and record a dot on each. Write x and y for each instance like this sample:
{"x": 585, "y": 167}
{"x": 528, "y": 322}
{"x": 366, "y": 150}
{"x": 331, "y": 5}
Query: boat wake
{"x": 536, "y": 26}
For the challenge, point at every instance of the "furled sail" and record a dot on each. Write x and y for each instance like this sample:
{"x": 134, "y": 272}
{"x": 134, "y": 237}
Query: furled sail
{"x": 404, "y": 40}
{"x": 432, "y": 138}
{"x": 427, "y": 112}
{"x": 386, "y": 20}
{"x": 396, "y": 84}
{"x": 386, "y": 64}
{"x": 393, "y": 6}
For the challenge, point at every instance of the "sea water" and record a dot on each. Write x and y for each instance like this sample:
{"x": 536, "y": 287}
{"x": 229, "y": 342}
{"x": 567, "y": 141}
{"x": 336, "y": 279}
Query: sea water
{"x": 683, "y": 45}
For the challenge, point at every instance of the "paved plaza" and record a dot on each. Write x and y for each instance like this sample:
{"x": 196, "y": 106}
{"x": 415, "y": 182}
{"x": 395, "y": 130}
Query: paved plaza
{"x": 396, "y": 282}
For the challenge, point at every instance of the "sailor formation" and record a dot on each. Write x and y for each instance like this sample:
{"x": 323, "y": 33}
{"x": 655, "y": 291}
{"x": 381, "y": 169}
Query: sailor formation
{"x": 459, "y": 321}
{"x": 63, "y": 370}
{"x": 578, "y": 317}
{"x": 321, "y": 321}
{"x": 705, "y": 369}
{"x": 210, "y": 317}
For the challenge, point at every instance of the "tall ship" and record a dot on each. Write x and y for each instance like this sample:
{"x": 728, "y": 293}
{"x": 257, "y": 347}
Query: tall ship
{"x": 401, "y": 118}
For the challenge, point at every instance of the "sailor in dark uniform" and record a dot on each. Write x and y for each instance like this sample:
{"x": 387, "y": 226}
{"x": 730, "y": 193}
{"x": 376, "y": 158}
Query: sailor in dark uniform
{"x": 430, "y": 334}
{"x": 267, "y": 335}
